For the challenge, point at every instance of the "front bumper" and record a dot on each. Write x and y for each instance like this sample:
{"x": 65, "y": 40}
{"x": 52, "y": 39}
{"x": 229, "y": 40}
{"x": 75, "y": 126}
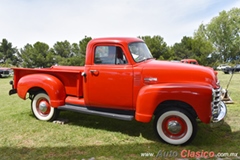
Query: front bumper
{"x": 219, "y": 109}
{"x": 217, "y": 121}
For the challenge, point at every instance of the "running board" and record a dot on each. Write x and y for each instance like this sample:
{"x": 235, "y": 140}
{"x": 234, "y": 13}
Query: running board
{"x": 86, "y": 110}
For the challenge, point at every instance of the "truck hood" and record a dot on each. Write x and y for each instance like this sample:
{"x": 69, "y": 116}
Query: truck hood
{"x": 171, "y": 72}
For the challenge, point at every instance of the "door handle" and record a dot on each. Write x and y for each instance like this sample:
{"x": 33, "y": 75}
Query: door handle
{"x": 94, "y": 72}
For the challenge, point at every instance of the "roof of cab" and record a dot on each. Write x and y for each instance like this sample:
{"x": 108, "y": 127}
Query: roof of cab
{"x": 116, "y": 39}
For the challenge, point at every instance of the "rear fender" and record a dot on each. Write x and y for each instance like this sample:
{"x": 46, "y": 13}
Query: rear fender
{"x": 51, "y": 84}
{"x": 197, "y": 95}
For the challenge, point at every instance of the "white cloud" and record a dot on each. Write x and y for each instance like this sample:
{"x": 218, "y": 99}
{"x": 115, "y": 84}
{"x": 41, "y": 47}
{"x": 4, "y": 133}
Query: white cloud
{"x": 29, "y": 21}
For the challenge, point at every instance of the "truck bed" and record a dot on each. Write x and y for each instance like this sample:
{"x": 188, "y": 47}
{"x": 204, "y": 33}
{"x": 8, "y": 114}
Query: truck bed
{"x": 70, "y": 77}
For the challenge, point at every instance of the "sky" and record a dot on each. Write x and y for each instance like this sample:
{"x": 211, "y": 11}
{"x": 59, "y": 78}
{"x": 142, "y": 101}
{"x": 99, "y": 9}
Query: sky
{"x": 49, "y": 21}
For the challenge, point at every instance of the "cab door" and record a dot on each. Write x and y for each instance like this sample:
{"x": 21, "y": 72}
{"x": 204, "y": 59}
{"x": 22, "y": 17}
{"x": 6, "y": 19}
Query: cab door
{"x": 110, "y": 79}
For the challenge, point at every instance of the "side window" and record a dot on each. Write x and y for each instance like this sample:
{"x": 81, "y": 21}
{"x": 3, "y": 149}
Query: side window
{"x": 109, "y": 55}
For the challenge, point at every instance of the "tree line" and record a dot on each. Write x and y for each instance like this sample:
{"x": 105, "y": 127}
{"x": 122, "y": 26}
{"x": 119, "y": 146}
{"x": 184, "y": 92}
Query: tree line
{"x": 211, "y": 44}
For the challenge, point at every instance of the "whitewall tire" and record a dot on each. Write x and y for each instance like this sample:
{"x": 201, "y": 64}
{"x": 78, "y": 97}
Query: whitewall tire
{"x": 175, "y": 126}
{"x": 42, "y": 109}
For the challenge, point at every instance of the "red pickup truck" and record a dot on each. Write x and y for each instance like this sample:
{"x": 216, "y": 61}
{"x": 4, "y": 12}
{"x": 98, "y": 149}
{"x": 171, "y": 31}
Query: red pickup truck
{"x": 190, "y": 61}
{"x": 122, "y": 80}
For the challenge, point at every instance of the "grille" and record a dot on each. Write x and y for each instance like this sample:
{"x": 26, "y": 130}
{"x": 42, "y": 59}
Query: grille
{"x": 215, "y": 103}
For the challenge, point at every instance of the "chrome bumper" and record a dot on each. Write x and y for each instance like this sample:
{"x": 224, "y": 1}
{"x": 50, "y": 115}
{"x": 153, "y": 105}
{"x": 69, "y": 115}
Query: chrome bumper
{"x": 219, "y": 109}
{"x": 222, "y": 112}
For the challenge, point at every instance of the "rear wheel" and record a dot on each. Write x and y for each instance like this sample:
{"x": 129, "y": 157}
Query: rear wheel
{"x": 42, "y": 109}
{"x": 175, "y": 126}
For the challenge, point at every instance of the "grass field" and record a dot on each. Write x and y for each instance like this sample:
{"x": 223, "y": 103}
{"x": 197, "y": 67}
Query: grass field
{"x": 92, "y": 137}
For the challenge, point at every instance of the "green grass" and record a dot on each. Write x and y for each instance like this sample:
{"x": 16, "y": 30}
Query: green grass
{"x": 85, "y": 136}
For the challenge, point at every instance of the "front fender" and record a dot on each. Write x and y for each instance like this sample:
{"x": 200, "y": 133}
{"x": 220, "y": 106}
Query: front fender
{"x": 197, "y": 95}
{"x": 51, "y": 84}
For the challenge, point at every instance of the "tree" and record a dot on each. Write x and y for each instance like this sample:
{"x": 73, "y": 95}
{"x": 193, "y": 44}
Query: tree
{"x": 71, "y": 55}
{"x": 63, "y": 52}
{"x": 78, "y": 59}
{"x": 193, "y": 48}
{"x": 83, "y": 45}
{"x": 82, "y": 49}
{"x": 79, "y": 51}
{"x": 183, "y": 50}
{"x": 37, "y": 55}
{"x": 8, "y": 54}
{"x": 62, "y": 49}
{"x": 157, "y": 47}
{"x": 224, "y": 33}
{"x": 201, "y": 50}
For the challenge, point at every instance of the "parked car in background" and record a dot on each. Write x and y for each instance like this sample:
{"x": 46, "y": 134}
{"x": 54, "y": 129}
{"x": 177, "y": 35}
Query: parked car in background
{"x": 5, "y": 72}
{"x": 223, "y": 66}
{"x": 190, "y": 61}
{"x": 231, "y": 70}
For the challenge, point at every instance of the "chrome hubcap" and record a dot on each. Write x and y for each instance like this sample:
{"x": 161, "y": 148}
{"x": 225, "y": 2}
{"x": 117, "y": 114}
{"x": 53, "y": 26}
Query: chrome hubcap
{"x": 43, "y": 107}
{"x": 174, "y": 127}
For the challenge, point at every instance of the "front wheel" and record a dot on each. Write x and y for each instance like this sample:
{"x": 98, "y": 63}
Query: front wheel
{"x": 175, "y": 126}
{"x": 42, "y": 109}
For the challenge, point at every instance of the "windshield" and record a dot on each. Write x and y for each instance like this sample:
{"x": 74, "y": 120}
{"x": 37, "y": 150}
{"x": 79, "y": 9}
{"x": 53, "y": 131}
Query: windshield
{"x": 140, "y": 51}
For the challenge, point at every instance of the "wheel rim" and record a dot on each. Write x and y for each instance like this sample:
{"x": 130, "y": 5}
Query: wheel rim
{"x": 43, "y": 107}
{"x": 174, "y": 127}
